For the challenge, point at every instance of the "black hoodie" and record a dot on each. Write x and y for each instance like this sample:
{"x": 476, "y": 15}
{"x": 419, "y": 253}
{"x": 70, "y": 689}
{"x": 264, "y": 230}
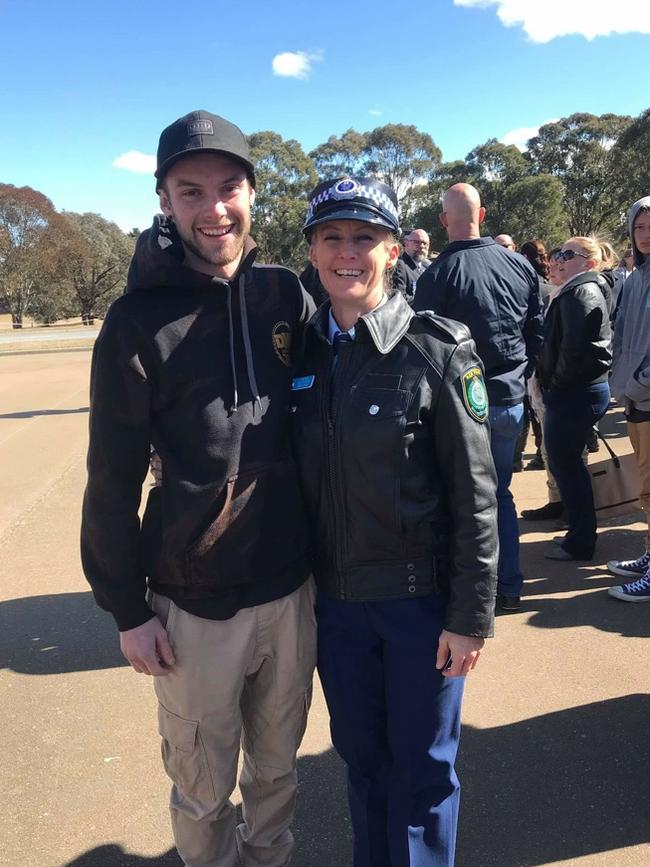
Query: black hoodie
{"x": 200, "y": 368}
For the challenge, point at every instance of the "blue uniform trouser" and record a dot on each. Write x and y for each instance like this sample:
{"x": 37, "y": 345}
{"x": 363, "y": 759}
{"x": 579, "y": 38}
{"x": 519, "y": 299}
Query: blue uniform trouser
{"x": 395, "y": 720}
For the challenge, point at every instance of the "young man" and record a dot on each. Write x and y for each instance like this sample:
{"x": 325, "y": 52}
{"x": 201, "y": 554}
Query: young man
{"x": 630, "y": 384}
{"x": 195, "y": 360}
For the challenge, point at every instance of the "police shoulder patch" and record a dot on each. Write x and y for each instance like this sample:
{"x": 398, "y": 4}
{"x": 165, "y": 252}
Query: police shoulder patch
{"x": 475, "y": 394}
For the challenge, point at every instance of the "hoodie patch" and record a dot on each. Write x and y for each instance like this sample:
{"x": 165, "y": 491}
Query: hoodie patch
{"x": 281, "y": 336}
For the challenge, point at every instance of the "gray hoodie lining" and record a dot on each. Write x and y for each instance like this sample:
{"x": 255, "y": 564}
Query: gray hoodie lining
{"x": 247, "y": 342}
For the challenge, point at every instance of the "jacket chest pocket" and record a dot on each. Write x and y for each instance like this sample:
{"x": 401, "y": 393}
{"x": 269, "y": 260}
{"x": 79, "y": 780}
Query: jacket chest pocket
{"x": 378, "y": 404}
{"x": 373, "y": 427}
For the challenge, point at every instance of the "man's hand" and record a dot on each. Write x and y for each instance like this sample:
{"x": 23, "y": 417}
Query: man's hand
{"x": 460, "y": 651}
{"x": 147, "y": 648}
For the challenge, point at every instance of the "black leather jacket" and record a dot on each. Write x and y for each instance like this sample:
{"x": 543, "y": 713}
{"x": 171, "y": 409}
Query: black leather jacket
{"x": 397, "y": 472}
{"x": 577, "y": 349}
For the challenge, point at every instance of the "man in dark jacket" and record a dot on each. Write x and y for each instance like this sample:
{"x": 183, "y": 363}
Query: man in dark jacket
{"x": 495, "y": 292}
{"x": 195, "y": 359}
{"x": 411, "y": 264}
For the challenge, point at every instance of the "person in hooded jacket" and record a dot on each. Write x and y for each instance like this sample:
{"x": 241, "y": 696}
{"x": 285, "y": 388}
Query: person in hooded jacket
{"x": 573, "y": 373}
{"x": 630, "y": 383}
{"x": 211, "y": 594}
{"x": 390, "y": 431}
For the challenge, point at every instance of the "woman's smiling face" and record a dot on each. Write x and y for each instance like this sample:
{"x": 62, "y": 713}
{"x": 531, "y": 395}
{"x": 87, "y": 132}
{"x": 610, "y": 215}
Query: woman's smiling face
{"x": 351, "y": 257}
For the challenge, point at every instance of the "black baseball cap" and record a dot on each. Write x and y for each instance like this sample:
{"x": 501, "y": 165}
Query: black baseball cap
{"x": 364, "y": 199}
{"x": 201, "y": 132}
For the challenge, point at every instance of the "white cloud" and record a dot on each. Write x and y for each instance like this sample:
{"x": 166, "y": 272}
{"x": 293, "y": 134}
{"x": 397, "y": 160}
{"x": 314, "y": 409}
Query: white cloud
{"x": 519, "y": 137}
{"x": 295, "y": 64}
{"x": 543, "y": 20}
{"x": 135, "y": 161}
{"x": 375, "y": 112}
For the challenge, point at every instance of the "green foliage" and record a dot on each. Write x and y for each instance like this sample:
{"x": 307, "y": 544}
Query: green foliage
{"x": 532, "y": 208}
{"x": 632, "y": 153}
{"x": 580, "y": 151}
{"x": 402, "y": 157}
{"x": 493, "y": 168}
{"x": 29, "y": 253}
{"x": 340, "y": 156}
{"x": 97, "y": 260}
{"x": 285, "y": 176}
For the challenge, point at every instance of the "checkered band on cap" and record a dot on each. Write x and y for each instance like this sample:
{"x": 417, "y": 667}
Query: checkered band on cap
{"x": 348, "y": 191}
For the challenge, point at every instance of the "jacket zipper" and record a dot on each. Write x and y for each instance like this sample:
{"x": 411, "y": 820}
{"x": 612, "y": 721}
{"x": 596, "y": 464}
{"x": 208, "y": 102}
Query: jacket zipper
{"x": 331, "y": 415}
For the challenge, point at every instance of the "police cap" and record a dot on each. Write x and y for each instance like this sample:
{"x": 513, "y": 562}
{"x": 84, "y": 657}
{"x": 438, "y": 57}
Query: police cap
{"x": 365, "y": 199}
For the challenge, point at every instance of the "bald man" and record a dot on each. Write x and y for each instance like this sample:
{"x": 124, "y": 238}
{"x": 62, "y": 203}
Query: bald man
{"x": 495, "y": 292}
{"x": 506, "y": 241}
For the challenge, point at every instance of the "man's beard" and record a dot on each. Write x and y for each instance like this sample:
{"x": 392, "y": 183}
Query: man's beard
{"x": 229, "y": 252}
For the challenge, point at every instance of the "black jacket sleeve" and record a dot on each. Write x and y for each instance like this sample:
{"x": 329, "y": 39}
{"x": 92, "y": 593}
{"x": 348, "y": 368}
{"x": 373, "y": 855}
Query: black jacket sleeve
{"x": 118, "y": 460}
{"x": 462, "y": 445}
{"x": 430, "y": 293}
{"x": 533, "y": 329}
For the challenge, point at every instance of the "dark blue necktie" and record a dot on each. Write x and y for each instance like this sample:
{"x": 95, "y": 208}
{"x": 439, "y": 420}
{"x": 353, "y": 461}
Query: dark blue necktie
{"x": 340, "y": 337}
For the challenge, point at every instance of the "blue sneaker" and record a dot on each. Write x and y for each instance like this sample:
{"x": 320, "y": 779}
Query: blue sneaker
{"x": 630, "y": 568}
{"x": 637, "y": 591}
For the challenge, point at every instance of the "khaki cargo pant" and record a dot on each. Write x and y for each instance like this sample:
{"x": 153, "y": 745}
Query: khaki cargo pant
{"x": 639, "y": 434}
{"x": 248, "y": 680}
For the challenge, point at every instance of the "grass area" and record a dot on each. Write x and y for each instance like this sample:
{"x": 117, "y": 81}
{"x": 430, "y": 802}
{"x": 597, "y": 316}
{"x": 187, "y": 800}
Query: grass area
{"x": 22, "y": 347}
{"x": 31, "y": 326}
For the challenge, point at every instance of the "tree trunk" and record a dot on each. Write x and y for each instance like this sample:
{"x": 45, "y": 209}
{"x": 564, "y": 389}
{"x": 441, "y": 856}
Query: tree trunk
{"x": 16, "y": 320}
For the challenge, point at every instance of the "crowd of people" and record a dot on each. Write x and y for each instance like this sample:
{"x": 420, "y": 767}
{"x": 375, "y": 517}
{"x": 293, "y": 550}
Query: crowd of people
{"x": 332, "y": 485}
{"x": 586, "y": 293}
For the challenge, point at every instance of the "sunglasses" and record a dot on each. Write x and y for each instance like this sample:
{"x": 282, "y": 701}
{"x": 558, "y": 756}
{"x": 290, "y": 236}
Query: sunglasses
{"x": 567, "y": 255}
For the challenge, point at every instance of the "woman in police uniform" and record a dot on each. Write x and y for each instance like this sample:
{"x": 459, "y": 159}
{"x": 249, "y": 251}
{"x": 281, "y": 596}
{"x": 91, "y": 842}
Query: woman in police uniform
{"x": 390, "y": 432}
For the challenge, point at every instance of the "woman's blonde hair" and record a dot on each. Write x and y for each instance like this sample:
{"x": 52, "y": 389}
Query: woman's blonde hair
{"x": 600, "y": 251}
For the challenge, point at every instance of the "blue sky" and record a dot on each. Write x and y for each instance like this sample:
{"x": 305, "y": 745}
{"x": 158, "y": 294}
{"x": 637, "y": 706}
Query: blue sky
{"x": 84, "y": 84}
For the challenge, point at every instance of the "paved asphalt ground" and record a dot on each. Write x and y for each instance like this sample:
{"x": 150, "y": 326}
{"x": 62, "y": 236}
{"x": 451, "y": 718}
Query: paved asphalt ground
{"x": 555, "y": 751}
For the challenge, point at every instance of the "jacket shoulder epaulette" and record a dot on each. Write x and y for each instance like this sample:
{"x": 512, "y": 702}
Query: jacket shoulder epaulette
{"x": 449, "y": 327}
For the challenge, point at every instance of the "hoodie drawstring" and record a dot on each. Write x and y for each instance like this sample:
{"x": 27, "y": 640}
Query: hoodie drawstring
{"x": 250, "y": 368}
{"x": 231, "y": 346}
{"x": 247, "y": 342}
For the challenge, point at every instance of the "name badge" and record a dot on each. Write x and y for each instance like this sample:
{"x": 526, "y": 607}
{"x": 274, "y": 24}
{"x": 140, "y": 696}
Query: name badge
{"x": 300, "y": 383}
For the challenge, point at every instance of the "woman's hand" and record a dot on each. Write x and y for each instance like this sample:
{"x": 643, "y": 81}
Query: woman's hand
{"x": 457, "y": 654}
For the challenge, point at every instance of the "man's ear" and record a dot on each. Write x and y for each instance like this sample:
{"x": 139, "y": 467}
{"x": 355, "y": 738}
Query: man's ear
{"x": 252, "y": 197}
{"x": 165, "y": 204}
{"x": 481, "y": 215}
{"x": 443, "y": 219}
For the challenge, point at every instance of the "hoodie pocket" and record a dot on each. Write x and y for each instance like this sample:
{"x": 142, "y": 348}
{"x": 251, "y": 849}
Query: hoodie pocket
{"x": 259, "y": 532}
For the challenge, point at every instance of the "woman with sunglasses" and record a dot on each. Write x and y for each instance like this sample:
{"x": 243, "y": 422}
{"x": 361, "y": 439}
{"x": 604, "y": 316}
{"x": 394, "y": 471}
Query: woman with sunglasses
{"x": 573, "y": 374}
{"x": 389, "y": 424}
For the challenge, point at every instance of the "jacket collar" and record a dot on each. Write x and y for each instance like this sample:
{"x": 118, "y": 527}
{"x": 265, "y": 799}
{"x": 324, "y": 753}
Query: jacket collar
{"x": 385, "y": 325}
{"x": 579, "y": 279}
{"x": 470, "y": 244}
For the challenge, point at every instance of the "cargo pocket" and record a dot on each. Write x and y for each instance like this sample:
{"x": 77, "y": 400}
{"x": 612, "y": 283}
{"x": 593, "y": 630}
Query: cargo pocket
{"x": 184, "y": 756}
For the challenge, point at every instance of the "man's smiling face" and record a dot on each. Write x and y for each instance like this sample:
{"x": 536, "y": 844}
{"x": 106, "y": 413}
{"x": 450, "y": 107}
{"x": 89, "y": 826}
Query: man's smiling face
{"x": 209, "y": 198}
